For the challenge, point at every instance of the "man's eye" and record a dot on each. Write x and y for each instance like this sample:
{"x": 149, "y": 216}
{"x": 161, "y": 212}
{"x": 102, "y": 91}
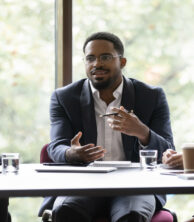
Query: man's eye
{"x": 90, "y": 58}
{"x": 106, "y": 57}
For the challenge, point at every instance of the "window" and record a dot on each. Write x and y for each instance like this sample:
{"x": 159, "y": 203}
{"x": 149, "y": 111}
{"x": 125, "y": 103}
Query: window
{"x": 27, "y": 69}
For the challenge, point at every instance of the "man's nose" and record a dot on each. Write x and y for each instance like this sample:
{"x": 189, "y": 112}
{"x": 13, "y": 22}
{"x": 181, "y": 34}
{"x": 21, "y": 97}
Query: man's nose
{"x": 97, "y": 62}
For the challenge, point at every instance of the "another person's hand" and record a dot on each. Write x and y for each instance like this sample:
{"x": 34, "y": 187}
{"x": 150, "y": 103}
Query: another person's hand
{"x": 172, "y": 158}
{"x": 86, "y": 153}
{"x": 129, "y": 124}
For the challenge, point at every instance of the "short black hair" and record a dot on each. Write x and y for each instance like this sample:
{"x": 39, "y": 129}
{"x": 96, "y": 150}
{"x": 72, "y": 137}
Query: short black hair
{"x": 118, "y": 45}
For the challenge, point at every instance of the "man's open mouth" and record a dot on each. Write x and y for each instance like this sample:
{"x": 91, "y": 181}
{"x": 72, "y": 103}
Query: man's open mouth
{"x": 99, "y": 72}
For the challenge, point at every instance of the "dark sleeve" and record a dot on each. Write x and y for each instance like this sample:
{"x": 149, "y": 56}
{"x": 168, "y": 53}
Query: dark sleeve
{"x": 61, "y": 131}
{"x": 161, "y": 137}
{"x": 4, "y": 209}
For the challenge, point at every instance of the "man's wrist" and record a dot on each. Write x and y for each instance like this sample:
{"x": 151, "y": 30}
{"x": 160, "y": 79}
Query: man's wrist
{"x": 67, "y": 155}
{"x": 144, "y": 136}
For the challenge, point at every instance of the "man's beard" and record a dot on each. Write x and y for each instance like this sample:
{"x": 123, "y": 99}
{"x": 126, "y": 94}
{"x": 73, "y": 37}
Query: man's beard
{"x": 101, "y": 85}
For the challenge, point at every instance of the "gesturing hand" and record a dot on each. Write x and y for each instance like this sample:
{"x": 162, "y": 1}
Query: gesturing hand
{"x": 86, "y": 153}
{"x": 129, "y": 123}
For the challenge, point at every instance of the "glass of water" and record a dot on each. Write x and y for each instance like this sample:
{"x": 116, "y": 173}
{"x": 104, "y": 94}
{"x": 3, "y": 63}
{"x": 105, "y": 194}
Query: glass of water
{"x": 148, "y": 158}
{"x": 10, "y": 162}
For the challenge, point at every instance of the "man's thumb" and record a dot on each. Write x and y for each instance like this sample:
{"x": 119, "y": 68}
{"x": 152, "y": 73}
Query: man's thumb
{"x": 76, "y": 138}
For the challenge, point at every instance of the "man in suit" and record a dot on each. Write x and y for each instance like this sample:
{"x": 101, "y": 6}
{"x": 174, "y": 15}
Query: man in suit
{"x": 79, "y": 134}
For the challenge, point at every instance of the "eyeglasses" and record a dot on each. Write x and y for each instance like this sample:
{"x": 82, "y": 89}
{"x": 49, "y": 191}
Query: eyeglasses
{"x": 105, "y": 58}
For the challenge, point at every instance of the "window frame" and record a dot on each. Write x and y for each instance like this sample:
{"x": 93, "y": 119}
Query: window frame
{"x": 63, "y": 42}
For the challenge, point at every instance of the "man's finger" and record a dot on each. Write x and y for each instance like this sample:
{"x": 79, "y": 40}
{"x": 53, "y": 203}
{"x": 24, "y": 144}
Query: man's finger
{"x": 122, "y": 108}
{"x": 172, "y": 151}
{"x": 94, "y": 149}
{"x": 121, "y": 111}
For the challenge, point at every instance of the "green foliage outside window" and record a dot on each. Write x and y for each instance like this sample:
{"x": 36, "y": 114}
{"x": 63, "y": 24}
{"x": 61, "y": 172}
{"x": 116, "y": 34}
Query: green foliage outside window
{"x": 26, "y": 75}
{"x": 26, "y": 81}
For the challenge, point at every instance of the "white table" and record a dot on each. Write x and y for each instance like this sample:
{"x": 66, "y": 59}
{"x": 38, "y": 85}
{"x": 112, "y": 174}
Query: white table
{"x": 28, "y": 182}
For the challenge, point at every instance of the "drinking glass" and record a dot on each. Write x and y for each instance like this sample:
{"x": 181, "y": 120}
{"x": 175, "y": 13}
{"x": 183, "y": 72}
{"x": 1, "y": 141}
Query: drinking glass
{"x": 148, "y": 158}
{"x": 10, "y": 162}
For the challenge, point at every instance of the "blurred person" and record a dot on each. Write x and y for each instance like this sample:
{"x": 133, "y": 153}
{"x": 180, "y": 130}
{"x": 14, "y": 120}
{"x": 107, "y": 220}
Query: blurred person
{"x": 175, "y": 160}
{"x": 4, "y": 214}
{"x": 80, "y": 135}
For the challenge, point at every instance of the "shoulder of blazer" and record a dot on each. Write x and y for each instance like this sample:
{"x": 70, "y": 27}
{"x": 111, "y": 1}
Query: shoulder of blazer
{"x": 74, "y": 88}
{"x": 147, "y": 96}
{"x": 138, "y": 85}
{"x": 70, "y": 92}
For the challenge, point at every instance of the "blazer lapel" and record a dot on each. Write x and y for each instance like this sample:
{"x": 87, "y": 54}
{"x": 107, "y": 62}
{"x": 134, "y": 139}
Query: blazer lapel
{"x": 128, "y": 96}
{"x": 88, "y": 114}
{"x": 128, "y": 102}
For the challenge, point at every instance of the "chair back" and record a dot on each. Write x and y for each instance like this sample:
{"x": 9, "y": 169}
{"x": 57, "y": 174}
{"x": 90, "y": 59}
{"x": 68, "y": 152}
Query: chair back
{"x": 44, "y": 157}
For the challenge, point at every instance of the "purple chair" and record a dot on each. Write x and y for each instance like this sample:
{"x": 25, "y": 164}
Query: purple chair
{"x": 163, "y": 215}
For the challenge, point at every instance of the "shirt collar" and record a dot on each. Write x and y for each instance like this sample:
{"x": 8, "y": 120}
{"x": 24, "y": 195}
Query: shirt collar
{"x": 118, "y": 91}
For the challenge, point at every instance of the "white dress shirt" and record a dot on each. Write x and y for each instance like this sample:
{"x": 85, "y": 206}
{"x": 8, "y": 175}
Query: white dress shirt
{"x": 107, "y": 137}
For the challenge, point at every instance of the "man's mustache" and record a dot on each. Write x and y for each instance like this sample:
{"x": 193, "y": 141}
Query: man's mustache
{"x": 97, "y": 69}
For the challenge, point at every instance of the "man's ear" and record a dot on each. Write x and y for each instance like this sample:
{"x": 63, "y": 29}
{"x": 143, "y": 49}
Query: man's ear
{"x": 123, "y": 62}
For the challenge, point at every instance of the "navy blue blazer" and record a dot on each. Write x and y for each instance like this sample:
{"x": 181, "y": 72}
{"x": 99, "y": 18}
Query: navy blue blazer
{"x": 72, "y": 110}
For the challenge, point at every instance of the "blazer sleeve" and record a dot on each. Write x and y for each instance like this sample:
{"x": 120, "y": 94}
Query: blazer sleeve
{"x": 161, "y": 137}
{"x": 61, "y": 131}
